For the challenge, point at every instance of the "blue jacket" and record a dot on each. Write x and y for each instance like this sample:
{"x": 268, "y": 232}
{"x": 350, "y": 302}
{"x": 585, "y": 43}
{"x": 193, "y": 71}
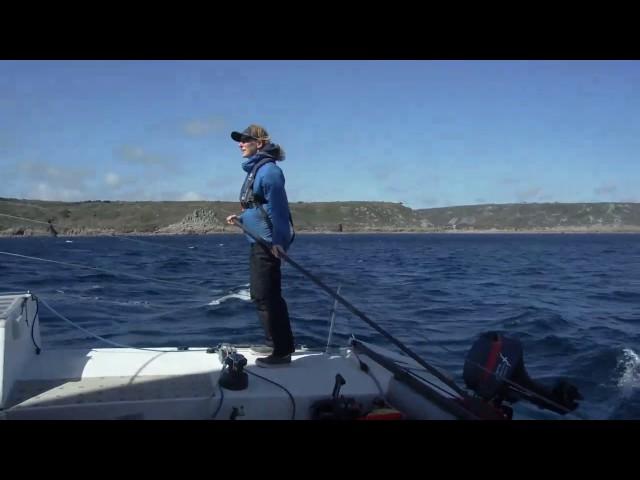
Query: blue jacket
{"x": 268, "y": 188}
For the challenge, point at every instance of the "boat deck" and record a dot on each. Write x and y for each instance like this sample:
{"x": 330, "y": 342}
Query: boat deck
{"x": 116, "y": 383}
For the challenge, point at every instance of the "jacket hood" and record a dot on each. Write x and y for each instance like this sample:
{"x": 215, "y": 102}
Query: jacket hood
{"x": 272, "y": 150}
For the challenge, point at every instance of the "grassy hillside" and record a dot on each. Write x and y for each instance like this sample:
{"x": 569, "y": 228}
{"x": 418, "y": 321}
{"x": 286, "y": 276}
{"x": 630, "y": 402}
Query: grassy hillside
{"x": 534, "y": 216}
{"x": 105, "y": 217}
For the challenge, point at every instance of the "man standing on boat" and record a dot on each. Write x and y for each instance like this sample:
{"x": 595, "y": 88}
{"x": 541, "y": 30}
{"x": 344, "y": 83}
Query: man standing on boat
{"x": 266, "y": 214}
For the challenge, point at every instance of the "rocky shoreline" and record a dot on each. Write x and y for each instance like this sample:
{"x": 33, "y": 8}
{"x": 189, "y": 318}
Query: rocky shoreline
{"x": 27, "y": 218}
{"x": 234, "y": 231}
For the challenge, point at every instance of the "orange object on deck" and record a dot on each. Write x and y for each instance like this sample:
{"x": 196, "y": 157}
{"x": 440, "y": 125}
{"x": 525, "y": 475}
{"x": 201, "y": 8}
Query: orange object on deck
{"x": 383, "y": 414}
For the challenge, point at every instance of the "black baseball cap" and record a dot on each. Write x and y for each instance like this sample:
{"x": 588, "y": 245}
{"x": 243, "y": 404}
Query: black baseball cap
{"x": 255, "y": 132}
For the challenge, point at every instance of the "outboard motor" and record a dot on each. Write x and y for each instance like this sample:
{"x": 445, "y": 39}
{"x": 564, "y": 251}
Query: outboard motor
{"x": 494, "y": 369}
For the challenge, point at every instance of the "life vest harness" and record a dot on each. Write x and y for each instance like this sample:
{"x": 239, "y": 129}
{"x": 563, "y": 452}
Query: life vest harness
{"x": 248, "y": 199}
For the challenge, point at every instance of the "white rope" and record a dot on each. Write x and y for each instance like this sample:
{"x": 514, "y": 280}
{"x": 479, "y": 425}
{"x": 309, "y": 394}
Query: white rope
{"x": 115, "y": 344}
{"x": 155, "y": 244}
{"x": 104, "y": 270}
{"x": 95, "y": 299}
{"x": 332, "y": 321}
{"x": 121, "y": 303}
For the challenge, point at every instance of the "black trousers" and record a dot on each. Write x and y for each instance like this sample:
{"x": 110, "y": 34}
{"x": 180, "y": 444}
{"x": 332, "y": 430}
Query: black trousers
{"x": 266, "y": 293}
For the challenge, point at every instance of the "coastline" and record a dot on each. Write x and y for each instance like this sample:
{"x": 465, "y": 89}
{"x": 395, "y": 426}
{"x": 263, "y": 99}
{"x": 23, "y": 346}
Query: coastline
{"x": 564, "y": 231}
{"x": 106, "y": 218}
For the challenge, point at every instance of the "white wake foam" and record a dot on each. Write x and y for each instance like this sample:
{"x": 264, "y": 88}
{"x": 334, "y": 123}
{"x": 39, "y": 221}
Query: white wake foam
{"x": 629, "y": 366}
{"x": 240, "y": 293}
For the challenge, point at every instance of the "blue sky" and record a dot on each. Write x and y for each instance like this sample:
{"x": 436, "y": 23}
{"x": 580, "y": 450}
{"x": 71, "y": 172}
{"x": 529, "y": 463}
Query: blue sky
{"x": 425, "y": 133}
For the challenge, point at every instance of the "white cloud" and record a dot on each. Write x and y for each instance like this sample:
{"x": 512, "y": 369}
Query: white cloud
{"x": 200, "y": 128}
{"x": 44, "y": 191}
{"x": 138, "y": 155}
{"x": 191, "y": 196}
{"x": 57, "y": 177}
{"x": 113, "y": 180}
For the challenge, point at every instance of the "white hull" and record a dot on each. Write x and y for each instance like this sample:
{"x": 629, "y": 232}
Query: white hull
{"x": 128, "y": 383}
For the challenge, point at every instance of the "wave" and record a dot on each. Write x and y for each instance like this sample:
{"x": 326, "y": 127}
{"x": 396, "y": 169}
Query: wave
{"x": 628, "y": 369}
{"x": 240, "y": 292}
{"x": 616, "y": 295}
{"x": 578, "y": 319}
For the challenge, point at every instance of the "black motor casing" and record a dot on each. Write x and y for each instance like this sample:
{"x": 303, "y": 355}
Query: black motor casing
{"x": 494, "y": 369}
